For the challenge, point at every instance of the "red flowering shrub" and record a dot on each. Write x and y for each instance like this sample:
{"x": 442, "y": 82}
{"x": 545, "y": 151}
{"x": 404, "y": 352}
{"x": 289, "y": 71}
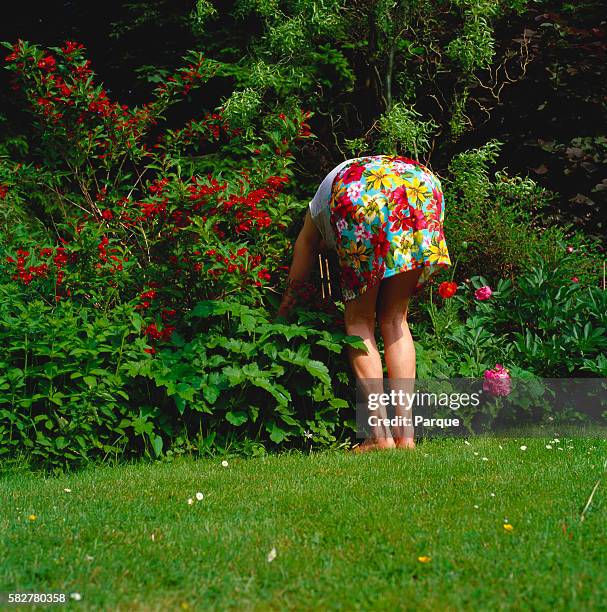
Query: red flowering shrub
{"x": 128, "y": 213}
{"x": 135, "y": 226}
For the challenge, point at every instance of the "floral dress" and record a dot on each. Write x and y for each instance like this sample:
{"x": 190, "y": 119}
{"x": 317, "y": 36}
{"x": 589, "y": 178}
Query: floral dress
{"x": 387, "y": 213}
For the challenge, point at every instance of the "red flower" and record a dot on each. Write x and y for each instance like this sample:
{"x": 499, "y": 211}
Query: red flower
{"x": 401, "y": 217}
{"x": 353, "y": 173}
{"x": 263, "y": 274}
{"x": 381, "y": 245}
{"x": 343, "y": 207}
{"x": 419, "y": 220}
{"x": 47, "y": 63}
{"x": 399, "y": 196}
{"x": 437, "y": 196}
{"x": 152, "y": 331}
{"x": 447, "y": 289}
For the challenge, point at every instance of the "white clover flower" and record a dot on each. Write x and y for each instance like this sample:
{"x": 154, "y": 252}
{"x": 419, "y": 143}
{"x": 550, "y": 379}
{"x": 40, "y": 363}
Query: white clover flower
{"x": 224, "y": 463}
{"x": 190, "y": 501}
{"x": 272, "y": 555}
{"x": 523, "y": 448}
{"x": 76, "y": 596}
{"x": 549, "y": 446}
{"x": 485, "y": 459}
{"x": 199, "y": 496}
{"x": 67, "y": 490}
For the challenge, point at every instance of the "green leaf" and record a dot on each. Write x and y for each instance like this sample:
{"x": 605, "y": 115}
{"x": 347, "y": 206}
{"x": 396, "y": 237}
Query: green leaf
{"x": 157, "y": 445}
{"x": 91, "y": 381}
{"x": 356, "y": 342}
{"x": 315, "y": 368}
{"x": 236, "y": 417}
{"x": 280, "y": 394}
{"x": 276, "y": 433}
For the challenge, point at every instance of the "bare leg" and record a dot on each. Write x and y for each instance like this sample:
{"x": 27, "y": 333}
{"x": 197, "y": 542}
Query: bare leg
{"x": 399, "y": 350}
{"x": 359, "y": 319}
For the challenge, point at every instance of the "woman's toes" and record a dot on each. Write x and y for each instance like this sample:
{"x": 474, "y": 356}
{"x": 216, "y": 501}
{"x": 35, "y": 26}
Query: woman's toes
{"x": 373, "y": 445}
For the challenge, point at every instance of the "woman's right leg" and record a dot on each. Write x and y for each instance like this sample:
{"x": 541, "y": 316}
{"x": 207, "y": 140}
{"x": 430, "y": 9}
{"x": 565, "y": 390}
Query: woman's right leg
{"x": 359, "y": 319}
{"x": 399, "y": 350}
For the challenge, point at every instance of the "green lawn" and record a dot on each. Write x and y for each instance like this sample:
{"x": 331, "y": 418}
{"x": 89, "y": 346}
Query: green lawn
{"x": 347, "y": 530}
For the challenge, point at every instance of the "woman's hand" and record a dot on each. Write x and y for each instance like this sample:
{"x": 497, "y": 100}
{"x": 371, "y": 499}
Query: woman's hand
{"x": 305, "y": 253}
{"x": 286, "y": 306}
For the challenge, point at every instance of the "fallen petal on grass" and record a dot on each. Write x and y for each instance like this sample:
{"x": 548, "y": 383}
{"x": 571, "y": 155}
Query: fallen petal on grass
{"x": 508, "y": 527}
{"x": 272, "y": 555}
{"x": 424, "y": 559}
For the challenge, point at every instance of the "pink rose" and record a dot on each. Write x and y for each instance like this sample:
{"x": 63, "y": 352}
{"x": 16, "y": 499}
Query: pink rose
{"x": 497, "y": 381}
{"x": 483, "y": 293}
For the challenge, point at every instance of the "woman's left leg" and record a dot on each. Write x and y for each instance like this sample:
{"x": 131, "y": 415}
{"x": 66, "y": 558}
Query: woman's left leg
{"x": 359, "y": 319}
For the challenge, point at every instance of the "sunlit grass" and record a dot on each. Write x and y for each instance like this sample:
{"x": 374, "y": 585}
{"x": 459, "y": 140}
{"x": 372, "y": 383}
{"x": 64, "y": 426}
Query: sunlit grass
{"x": 398, "y": 529}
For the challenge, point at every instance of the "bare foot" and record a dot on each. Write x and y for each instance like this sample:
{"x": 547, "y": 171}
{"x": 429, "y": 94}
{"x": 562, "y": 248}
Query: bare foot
{"x": 374, "y": 444}
{"x": 404, "y": 442}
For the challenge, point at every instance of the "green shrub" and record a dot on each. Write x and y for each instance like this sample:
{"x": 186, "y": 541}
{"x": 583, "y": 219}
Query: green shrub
{"x": 544, "y": 322}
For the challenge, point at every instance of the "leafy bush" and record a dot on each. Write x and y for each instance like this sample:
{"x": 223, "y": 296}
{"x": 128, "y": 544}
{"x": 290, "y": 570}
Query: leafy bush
{"x": 544, "y": 322}
{"x": 125, "y": 235}
{"x": 240, "y": 372}
{"x": 499, "y": 225}
{"x": 65, "y": 397}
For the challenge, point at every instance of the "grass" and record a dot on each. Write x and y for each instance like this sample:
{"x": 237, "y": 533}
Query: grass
{"x": 348, "y": 530}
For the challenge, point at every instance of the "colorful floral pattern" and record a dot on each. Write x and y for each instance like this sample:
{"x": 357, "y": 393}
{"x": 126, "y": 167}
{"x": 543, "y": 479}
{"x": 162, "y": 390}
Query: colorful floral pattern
{"x": 387, "y": 213}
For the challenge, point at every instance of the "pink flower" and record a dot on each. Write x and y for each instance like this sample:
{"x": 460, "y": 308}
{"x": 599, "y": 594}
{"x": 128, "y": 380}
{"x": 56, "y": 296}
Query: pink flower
{"x": 575, "y": 279}
{"x": 483, "y": 293}
{"x": 497, "y": 381}
{"x": 569, "y": 249}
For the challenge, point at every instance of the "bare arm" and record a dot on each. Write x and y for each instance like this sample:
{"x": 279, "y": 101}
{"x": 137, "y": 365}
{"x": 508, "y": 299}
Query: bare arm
{"x": 305, "y": 253}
